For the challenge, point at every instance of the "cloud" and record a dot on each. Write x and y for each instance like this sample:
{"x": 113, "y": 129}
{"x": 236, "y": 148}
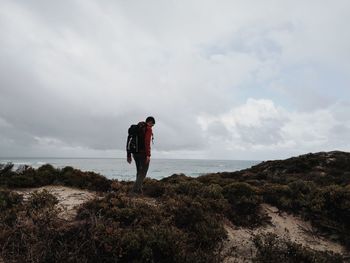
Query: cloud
{"x": 261, "y": 126}
{"x": 74, "y": 77}
{"x": 257, "y": 122}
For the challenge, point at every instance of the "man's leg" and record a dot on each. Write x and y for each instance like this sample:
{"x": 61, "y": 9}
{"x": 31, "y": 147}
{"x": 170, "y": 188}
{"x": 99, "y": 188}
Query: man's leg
{"x": 142, "y": 168}
{"x": 135, "y": 188}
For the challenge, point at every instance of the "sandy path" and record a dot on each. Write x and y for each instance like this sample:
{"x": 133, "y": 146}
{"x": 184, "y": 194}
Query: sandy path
{"x": 69, "y": 198}
{"x": 239, "y": 245}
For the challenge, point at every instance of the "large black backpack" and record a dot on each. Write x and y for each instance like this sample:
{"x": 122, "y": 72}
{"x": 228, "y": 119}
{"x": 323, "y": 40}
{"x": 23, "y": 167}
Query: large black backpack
{"x": 136, "y": 138}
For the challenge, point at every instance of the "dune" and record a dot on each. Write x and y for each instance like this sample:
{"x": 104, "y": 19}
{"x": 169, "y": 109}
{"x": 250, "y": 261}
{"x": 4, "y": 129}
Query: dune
{"x": 69, "y": 198}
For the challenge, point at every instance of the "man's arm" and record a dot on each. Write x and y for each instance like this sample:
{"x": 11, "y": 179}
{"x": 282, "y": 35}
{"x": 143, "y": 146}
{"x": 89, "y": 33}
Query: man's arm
{"x": 129, "y": 159}
{"x": 128, "y": 154}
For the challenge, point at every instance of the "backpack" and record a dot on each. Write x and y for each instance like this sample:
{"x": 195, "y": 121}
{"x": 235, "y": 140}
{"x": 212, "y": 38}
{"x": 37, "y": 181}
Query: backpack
{"x": 136, "y": 138}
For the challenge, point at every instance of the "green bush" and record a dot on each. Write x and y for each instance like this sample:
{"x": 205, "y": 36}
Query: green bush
{"x": 271, "y": 249}
{"x": 245, "y": 204}
{"x": 179, "y": 230}
{"x": 29, "y": 238}
{"x": 10, "y": 203}
{"x": 278, "y": 195}
{"x": 48, "y": 175}
{"x": 6, "y": 169}
{"x": 329, "y": 210}
{"x": 195, "y": 217}
{"x": 84, "y": 180}
{"x": 153, "y": 188}
{"x": 301, "y": 192}
{"x": 121, "y": 209}
{"x": 176, "y": 178}
{"x": 191, "y": 188}
{"x": 41, "y": 199}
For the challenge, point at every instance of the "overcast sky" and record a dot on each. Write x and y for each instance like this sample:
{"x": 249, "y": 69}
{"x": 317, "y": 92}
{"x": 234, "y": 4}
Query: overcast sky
{"x": 229, "y": 79}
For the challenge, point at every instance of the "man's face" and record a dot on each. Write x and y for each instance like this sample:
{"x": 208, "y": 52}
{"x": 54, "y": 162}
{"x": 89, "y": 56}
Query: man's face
{"x": 150, "y": 124}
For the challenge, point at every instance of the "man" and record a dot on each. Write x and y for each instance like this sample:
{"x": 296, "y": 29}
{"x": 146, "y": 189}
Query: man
{"x": 143, "y": 156}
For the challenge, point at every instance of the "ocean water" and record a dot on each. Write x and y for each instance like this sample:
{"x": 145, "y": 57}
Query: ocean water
{"x": 114, "y": 168}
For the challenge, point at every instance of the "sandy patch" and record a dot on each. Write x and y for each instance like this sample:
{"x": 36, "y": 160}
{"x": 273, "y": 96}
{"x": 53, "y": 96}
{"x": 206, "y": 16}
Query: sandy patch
{"x": 69, "y": 198}
{"x": 239, "y": 245}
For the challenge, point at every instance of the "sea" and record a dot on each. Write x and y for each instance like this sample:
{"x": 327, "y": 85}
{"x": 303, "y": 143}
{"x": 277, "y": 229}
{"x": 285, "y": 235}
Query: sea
{"x": 118, "y": 168}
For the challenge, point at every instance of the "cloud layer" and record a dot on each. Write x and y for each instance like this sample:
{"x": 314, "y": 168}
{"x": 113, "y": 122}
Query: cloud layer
{"x": 227, "y": 79}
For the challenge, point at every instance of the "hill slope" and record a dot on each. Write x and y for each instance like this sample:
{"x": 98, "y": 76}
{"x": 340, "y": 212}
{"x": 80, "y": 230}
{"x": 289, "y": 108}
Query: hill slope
{"x": 296, "y": 210}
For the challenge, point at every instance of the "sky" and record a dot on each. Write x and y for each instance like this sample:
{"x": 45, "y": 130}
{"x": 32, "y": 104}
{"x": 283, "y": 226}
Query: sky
{"x": 224, "y": 79}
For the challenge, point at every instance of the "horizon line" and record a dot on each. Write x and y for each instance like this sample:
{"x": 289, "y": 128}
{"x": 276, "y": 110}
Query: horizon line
{"x": 38, "y": 157}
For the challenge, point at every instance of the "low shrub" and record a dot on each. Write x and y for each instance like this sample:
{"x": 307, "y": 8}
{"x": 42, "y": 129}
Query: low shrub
{"x": 329, "y": 210}
{"x": 83, "y": 180}
{"x": 154, "y": 188}
{"x": 178, "y": 230}
{"x": 30, "y": 237}
{"x": 6, "y": 169}
{"x": 39, "y": 200}
{"x": 48, "y": 175}
{"x": 10, "y": 203}
{"x": 271, "y": 249}
{"x": 245, "y": 204}
{"x": 278, "y": 195}
{"x": 196, "y": 218}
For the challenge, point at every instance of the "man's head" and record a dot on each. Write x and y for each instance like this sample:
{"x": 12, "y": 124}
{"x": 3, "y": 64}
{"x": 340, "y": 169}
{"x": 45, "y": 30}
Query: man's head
{"x": 150, "y": 121}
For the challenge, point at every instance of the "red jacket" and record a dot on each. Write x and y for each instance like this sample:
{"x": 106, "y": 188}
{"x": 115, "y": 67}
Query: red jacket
{"x": 148, "y": 138}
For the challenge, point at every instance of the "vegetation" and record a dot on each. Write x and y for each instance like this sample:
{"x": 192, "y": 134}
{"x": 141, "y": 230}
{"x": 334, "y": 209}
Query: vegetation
{"x": 271, "y": 249}
{"x": 48, "y": 175}
{"x": 314, "y": 186}
{"x": 178, "y": 218}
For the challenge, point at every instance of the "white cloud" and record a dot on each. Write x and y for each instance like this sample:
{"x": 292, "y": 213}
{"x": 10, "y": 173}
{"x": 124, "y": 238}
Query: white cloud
{"x": 261, "y": 126}
{"x": 257, "y": 122}
{"x": 82, "y": 72}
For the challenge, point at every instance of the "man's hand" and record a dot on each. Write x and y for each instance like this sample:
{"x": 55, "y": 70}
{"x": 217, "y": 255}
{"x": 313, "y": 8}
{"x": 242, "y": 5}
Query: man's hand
{"x": 129, "y": 159}
{"x": 148, "y": 159}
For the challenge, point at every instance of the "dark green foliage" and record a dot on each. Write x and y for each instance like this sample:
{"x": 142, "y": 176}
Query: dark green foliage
{"x": 85, "y": 180}
{"x": 132, "y": 232}
{"x": 6, "y": 169}
{"x": 9, "y": 205}
{"x": 40, "y": 200}
{"x": 314, "y": 186}
{"x": 278, "y": 195}
{"x": 47, "y": 174}
{"x": 329, "y": 210}
{"x": 121, "y": 209}
{"x": 271, "y": 249}
{"x": 191, "y": 188}
{"x": 176, "y": 178}
{"x": 154, "y": 188}
{"x": 294, "y": 196}
{"x": 114, "y": 228}
{"x": 29, "y": 237}
{"x": 195, "y": 217}
{"x": 9, "y": 200}
{"x": 195, "y": 226}
{"x": 245, "y": 204}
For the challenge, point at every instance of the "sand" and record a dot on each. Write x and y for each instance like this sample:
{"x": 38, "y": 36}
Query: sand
{"x": 239, "y": 245}
{"x": 69, "y": 198}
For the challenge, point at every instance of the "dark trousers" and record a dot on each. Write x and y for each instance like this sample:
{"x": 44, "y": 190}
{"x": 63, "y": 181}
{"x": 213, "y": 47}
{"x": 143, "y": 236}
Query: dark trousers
{"x": 141, "y": 168}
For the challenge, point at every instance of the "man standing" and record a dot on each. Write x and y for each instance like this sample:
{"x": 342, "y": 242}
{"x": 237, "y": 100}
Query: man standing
{"x": 142, "y": 155}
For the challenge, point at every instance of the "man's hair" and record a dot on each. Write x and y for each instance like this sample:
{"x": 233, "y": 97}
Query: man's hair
{"x": 150, "y": 119}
